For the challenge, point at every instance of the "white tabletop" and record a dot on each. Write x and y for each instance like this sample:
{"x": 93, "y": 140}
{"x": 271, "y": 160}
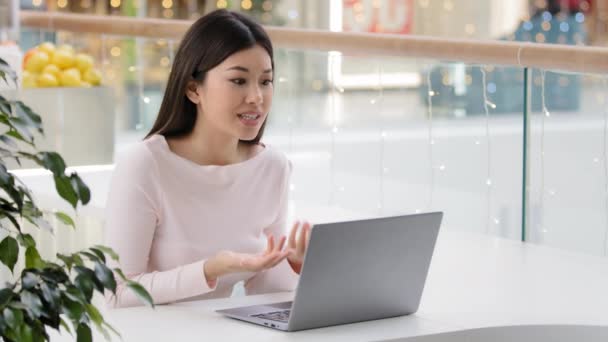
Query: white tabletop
{"x": 479, "y": 288}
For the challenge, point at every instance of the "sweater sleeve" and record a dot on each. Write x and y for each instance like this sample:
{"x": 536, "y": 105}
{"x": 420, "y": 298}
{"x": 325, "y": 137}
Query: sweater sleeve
{"x": 133, "y": 211}
{"x": 280, "y": 278}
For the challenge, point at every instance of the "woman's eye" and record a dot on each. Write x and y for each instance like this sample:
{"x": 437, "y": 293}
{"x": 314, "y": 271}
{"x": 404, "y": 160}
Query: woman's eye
{"x": 267, "y": 82}
{"x": 238, "y": 81}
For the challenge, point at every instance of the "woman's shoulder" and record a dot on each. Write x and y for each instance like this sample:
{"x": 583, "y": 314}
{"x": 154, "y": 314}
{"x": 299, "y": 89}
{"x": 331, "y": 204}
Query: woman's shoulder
{"x": 275, "y": 156}
{"x": 139, "y": 155}
{"x": 277, "y": 159}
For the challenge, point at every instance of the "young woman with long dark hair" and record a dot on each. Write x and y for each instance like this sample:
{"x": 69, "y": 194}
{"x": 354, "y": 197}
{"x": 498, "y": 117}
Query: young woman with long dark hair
{"x": 201, "y": 203}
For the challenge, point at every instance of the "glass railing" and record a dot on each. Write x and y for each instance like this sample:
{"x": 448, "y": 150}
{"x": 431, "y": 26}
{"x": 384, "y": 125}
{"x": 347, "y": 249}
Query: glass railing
{"x": 373, "y": 135}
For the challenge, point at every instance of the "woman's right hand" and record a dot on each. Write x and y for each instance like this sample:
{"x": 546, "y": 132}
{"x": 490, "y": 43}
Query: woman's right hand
{"x": 231, "y": 262}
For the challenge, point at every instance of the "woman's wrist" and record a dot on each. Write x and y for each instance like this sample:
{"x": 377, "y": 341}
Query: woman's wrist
{"x": 211, "y": 271}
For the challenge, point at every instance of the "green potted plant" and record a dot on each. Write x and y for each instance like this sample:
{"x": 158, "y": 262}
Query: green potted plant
{"x": 46, "y": 293}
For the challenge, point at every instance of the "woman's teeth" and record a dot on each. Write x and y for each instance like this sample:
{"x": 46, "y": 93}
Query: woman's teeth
{"x": 249, "y": 116}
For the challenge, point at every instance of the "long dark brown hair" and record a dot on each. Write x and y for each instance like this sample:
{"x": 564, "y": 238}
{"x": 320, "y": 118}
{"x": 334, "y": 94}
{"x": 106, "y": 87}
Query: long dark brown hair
{"x": 208, "y": 42}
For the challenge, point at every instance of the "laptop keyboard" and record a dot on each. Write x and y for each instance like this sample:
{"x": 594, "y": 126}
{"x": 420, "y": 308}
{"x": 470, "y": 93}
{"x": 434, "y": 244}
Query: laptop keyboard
{"x": 279, "y": 316}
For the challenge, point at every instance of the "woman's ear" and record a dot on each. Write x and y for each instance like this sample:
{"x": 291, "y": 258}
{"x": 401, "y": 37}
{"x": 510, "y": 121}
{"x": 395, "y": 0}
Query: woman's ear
{"x": 192, "y": 92}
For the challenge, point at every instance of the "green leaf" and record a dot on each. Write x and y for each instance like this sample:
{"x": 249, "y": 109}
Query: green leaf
{"x": 71, "y": 308}
{"x": 9, "y": 252}
{"x": 12, "y": 219}
{"x": 65, "y": 219}
{"x": 32, "y": 258}
{"x": 6, "y": 295}
{"x": 6, "y": 178}
{"x": 105, "y": 276}
{"x": 53, "y": 162}
{"x": 119, "y": 272}
{"x": 75, "y": 295}
{"x": 107, "y": 250}
{"x": 7, "y": 70}
{"x": 21, "y": 126}
{"x": 90, "y": 255}
{"x": 139, "y": 290}
{"x": 67, "y": 260}
{"x": 26, "y": 240}
{"x": 51, "y": 295}
{"x": 13, "y": 317}
{"x": 33, "y": 303}
{"x": 55, "y": 274}
{"x": 98, "y": 253}
{"x": 83, "y": 333}
{"x": 29, "y": 279}
{"x": 89, "y": 273}
{"x": 85, "y": 284}
{"x": 96, "y": 317}
{"x": 94, "y": 314}
{"x": 65, "y": 326}
{"x": 65, "y": 190}
{"x": 32, "y": 119}
{"x": 83, "y": 190}
{"x": 8, "y": 141}
{"x": 25, "y": 334}
{"x": 107, "y": 325}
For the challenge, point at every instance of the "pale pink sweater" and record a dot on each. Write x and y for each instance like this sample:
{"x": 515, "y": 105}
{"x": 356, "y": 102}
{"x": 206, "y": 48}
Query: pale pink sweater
{"x": 165, "y": 215}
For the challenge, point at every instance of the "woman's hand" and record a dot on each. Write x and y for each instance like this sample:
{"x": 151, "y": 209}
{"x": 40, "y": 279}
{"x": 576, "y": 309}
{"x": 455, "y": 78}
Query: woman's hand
{"x": 298, "y": 244}
{"x": 231, "y": 262}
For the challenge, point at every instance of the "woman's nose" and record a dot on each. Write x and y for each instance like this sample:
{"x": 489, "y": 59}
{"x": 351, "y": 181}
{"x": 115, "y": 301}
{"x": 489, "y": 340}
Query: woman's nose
{"x": 255, "y": 95}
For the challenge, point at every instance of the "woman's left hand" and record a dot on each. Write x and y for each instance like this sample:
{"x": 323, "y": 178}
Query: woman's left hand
{"x": 298, "y": 244}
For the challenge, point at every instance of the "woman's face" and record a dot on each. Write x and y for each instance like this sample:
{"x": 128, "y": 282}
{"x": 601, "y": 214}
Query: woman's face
{"x": 236, "y": 95}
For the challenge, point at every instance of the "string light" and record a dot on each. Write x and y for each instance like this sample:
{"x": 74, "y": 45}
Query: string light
{"x": 605, "y": 150}
{"x": 545, "y": 114}
{"x": 62, "y": 3}
{"x": 36, "y": 3}
{"x": 430, "y": 94}
{"x": 246, "y": 4}
{"x": 486, "y": 105}
{"x": 167, "y": 3}
{"x": 221, "y": 4}
{"x": 383, "y": 168}
{"x": 115, "y": 3}
{"x": 115, "y": 51}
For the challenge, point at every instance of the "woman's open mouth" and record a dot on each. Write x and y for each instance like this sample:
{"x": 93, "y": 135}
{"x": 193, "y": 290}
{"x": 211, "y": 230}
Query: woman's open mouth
{"x": 249, "y": 119}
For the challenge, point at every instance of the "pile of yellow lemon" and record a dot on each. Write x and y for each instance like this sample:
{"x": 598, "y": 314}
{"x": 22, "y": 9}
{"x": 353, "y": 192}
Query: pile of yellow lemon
{"x": 49, "y": 66}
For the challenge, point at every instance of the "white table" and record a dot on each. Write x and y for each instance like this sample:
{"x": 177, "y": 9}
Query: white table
{"x": 479, "y": 289}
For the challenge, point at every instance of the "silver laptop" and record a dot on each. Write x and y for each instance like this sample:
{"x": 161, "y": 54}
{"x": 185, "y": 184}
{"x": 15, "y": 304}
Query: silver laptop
{"x": 355, "y": 271}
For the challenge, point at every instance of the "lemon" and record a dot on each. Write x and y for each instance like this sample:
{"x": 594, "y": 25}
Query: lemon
{"x": 70, "y": 78}
{"x": 93, "y": 76}
{"x": 83, "y": 62}
{"x": 47, "y": 47}
{"x": 52, "y": 69}
{"x": 36, "y": 61}
{"x": 63, "y": 59}
{"x": 28, "y": 79}
{"x": 47, "y": 80}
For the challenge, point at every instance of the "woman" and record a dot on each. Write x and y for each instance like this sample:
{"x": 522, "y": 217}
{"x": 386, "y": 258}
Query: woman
{"x": 201, "y": 203}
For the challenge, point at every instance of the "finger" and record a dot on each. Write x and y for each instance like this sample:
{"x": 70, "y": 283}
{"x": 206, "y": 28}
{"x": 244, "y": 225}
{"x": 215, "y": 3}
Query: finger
{"x": 270, "y": 245}
{"x": 293, "y": 233}
{"x": 301, "y": 246}
{"x": 279, "y": 258}
{"x": 281, "y": 243}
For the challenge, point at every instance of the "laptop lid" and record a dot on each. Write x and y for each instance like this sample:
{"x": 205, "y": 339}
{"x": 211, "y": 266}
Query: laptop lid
{"x": 363, "y": 270}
